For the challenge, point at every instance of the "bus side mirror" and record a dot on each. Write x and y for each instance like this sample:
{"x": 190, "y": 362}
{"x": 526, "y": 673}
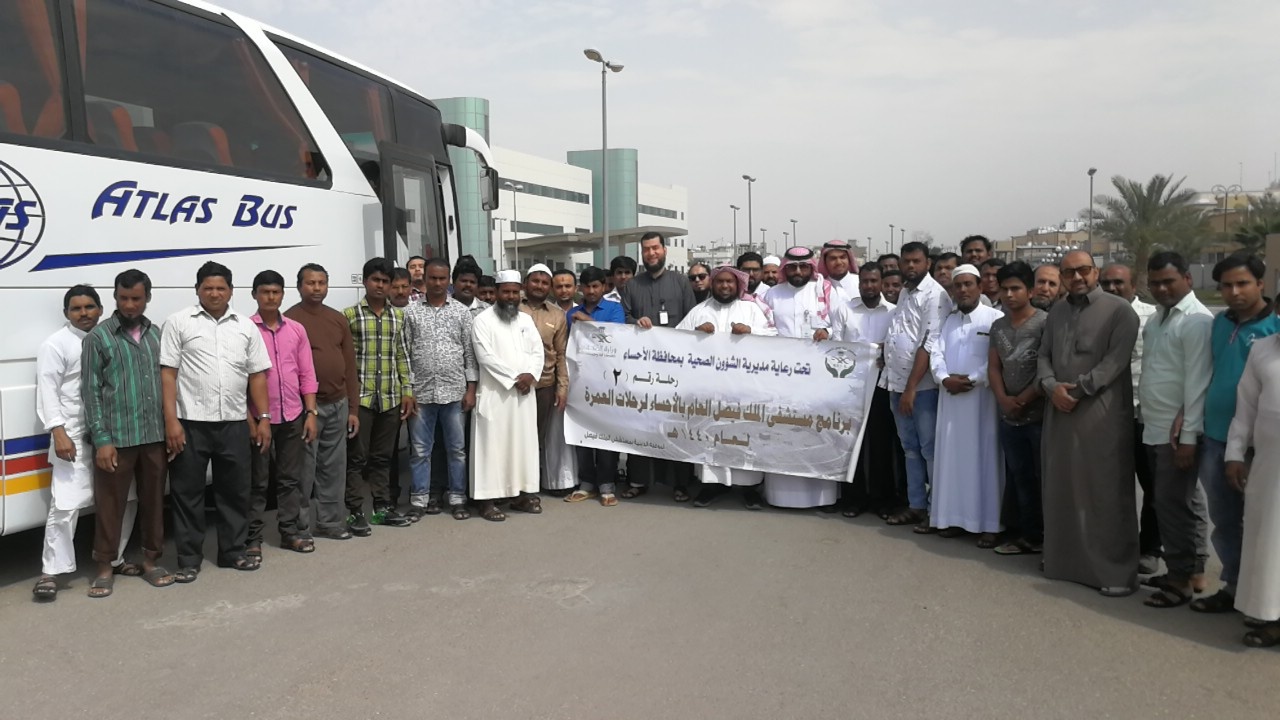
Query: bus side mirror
{"x": 489, "y": 190}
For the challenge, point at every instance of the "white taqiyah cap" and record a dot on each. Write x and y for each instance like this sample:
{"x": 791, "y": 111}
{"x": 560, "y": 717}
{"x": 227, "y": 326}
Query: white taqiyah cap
{"x": 965, "y": 269}
{"x": 505, "y": 277}
{"x": 538, "y": 268}
{"x": 772, "y": 260}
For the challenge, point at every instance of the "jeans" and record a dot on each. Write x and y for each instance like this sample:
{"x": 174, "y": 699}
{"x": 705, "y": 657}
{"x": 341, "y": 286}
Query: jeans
{"x": 422, "y": 435}
{"x": 916, "y": 432}
{"x": 1021, "y": 445}
{"x": 1226, "y": 510}
{"x": 1180, "y": 510}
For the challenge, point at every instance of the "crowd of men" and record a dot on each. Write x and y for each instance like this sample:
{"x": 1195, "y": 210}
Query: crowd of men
{"x": 1012, "y": 403}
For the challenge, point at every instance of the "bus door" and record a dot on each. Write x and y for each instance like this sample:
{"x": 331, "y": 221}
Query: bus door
{"x": 412, "y": 208}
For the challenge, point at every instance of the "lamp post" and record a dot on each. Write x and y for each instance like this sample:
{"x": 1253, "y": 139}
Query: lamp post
{"x": 735, "y": 210}
{"x": 605, "y": 67}
{"x": 786, "y": 239}
{"x": 795, "y": 237}
{"x": 515, "y": 213}
{"x": 1226, "y": 191}
{"x": 501, "y": 258}
{"x": 890, "y": 237}
{"x": 750, "y": 224}
{"x": 763, "y": 243}
{"x": 1089, "y": 237}
{"x": 902, "y": 235}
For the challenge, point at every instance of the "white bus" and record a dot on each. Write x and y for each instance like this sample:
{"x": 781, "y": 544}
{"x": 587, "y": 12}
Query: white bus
{"x": 157, "y": 134}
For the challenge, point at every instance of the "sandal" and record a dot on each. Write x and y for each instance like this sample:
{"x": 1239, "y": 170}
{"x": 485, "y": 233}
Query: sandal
{"x": 1018, "y": 547}
{"x": 1156, "y": 581}
{"x": 680, "y": 495}
{"x": 909, "y": 516}
{"x": 186, "y": 575}
{"x": 986, "y": 541}
{"x": 951, "y": 532}
{"x": 245, "y": 563}
{"x": 633, "y": 492}
{"x": 853, "y": 511}
{"x": 254, "y": 549}
{"x": 158, "y": 577}
{"x": 527, "y": 504}
{"x": 491, "y": 513}
{"x": 102, "y": 586}
{"x": 298, "y": 544}
{"x": 1219, "y": 602}
{"x": 46, "y": 589}
{"x": 924, "y": 528}
{"x": 1264, "y": 637}
{"x": 1168, "y": 597}
{"x": 608, "y": 500}
{"x": 460, "y": 512}
{"x": 128, "y": 569}
{"x": 1115, "y": 591}
{"x": 580, "y": 495}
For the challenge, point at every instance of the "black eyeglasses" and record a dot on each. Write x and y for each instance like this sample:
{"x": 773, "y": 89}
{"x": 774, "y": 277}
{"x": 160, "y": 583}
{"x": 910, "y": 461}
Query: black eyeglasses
{"x": 697, "y": 276}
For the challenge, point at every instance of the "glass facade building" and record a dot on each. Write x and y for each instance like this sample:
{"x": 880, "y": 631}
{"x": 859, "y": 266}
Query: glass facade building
{"x": 473, "y": 222}
{"x": 623, "y": 181}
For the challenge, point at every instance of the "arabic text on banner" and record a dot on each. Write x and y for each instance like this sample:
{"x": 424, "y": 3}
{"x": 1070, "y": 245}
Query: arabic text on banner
{"x": 759, "y": 403}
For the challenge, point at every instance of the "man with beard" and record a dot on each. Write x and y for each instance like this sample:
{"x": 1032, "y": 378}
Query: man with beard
{"x": 552, "y": 388}
{"x": 1090, "y": 517}
{"x": 1048, "y": 288}
{"x": 880, "y": 463}
{"x": 888, "y": 263}
{"x": 913, "y": 330}
{"x": 564, "y": 288}
{"x": 417, "y": 267}
{"x": 801, "y": 308}
{"x": 891, "y": 284}
{"x": 727, "y": 312}
{"x": 752, "y": 264}
{"x": 969, "y": 483}
{"x": 700, "y": 281}
{"x": 508, "y": 350}
{"x": 990, "y": 284}
{"x": 838, "y": 266}
{"x": 123, "y": 412}
{"x": 656, "y": 298}
{"x": 621, "y": 270}
{"x": 1117, "y": 279}
{"x": 769, "y": 272}
{"x": 466, "y": 281}
{"x": 486, "y": 290}
{"x": 976, "y": 249}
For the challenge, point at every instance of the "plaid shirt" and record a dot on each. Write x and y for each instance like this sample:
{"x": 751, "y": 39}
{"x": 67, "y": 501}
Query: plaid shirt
{"x": 382, "y": 355}
{"x": 120, "y": 385}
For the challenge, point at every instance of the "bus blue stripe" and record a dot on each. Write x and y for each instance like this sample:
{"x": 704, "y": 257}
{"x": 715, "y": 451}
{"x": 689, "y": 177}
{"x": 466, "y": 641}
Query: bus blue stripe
{"x": 16, "y": 446}
{"x": 73, "y": 260}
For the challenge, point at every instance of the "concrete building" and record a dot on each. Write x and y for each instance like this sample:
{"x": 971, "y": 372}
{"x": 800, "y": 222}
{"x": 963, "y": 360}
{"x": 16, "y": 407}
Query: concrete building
{"x": 553, "y": 212}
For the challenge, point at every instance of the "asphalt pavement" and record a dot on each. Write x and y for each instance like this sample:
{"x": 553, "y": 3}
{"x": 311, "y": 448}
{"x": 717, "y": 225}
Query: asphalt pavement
{"x": 646, "y": 610}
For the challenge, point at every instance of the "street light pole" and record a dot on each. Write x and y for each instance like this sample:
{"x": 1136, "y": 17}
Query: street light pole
{"x": 795, "y": 237}
{"x": 786, "y": 239}
{"x": 1226, "y": 196}
{"x": 902, "y": 234}
{"x": 515, "y": 212}
{"x": 605, "y": 66}
{"x": 1090, "y": 235}
{"x": 891, "y": 237}
{"x": 735, "y": 209}
{"x": 764, "y": 245}
{"x": 750, "y": 223}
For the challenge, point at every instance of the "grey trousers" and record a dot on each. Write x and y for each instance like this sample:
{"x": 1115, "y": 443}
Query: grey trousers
{"x": 326, "y": 462}
{"x": 1180, "y": 512}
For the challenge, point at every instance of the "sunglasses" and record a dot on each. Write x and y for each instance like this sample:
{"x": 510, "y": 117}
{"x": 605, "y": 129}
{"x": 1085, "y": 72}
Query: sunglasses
{"x": 697, "y": 276}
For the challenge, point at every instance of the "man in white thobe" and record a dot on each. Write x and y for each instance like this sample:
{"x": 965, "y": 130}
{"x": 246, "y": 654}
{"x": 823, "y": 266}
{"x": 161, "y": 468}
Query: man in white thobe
{"x": 1254, "y": 427}
{"x": 837, "y": 265}
{"x": 504, "y": 460}
{"x": 968, "y": 482}
{"x": 801, "y": 307}
{"x": 61, "y": 412}
{"x": 727, "y": 311}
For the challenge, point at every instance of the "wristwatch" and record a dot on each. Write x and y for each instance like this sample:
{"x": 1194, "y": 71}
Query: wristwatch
{"x": 264, "y": 416}
{"x": 314, "y": 412}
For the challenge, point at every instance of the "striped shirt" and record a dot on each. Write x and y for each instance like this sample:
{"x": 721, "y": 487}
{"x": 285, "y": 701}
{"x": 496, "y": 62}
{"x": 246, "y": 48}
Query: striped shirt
{"x": 382, "y": 355}
{"x": 120, "y": 385}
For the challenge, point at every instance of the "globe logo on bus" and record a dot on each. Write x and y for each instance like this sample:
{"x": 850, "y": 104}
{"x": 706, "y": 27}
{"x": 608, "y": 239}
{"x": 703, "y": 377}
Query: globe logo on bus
{"x": 21, "y": 216}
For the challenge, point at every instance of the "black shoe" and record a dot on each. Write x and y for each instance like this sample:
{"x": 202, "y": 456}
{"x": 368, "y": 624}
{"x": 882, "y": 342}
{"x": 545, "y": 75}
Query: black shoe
{"x": 332, "y": 534}
{"x": 433, "y": 506}
{"x": 751, "y": 498}
{"x": 393, "y": 518}
{"x": 707, "y": 494}
{"x": 358, "y": 524}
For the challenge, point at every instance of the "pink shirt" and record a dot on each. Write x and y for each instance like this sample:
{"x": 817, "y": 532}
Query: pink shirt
{"x": 292, "y": 372}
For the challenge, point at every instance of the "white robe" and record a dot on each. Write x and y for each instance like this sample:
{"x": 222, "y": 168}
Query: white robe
{"x": 723, "y": 317}
{"x": 1257, "y": 424}
{"x": 559, "y": 457}
{"x": 504, "y": 424}
{"x": 968, "y": 479}
{"x": 58, "y": 404}
{"x": 798, "y": 313}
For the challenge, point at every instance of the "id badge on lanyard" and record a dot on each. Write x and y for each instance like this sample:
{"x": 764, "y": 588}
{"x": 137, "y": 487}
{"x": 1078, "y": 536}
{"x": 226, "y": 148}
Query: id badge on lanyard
{"x": 662, "y": 317}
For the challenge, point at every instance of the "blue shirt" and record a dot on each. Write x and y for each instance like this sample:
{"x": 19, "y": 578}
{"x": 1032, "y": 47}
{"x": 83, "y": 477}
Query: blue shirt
{"x": 1231, "y": 342}
{"x": 606, "y": 311}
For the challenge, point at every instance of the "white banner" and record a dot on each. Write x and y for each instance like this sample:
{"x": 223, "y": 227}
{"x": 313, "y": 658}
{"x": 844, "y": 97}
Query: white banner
{"x": 742, "y": 401}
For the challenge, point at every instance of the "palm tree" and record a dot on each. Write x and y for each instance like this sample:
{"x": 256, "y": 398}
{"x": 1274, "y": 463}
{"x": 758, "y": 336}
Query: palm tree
{"x": 1264, "y": 220}
{"x": 1146, "y": 217}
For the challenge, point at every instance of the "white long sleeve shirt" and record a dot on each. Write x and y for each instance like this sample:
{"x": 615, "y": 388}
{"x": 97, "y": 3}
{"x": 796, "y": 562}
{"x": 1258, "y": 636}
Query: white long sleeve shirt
{"x": 914, "y": 325}
{"x": 58, "y": 401}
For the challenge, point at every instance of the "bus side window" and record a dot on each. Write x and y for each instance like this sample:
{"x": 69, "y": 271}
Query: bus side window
{"x": 358, "y": 106}
{"x": 166, "y": 82}
{"x": 31, "y": 91}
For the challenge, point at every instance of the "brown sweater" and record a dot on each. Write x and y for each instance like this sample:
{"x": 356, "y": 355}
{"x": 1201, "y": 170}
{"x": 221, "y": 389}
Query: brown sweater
{"x": 333, "y": 351}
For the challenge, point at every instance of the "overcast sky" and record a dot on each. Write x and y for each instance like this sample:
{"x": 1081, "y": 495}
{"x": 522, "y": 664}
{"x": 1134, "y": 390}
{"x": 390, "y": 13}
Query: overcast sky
{"x": 938, "y": 115}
